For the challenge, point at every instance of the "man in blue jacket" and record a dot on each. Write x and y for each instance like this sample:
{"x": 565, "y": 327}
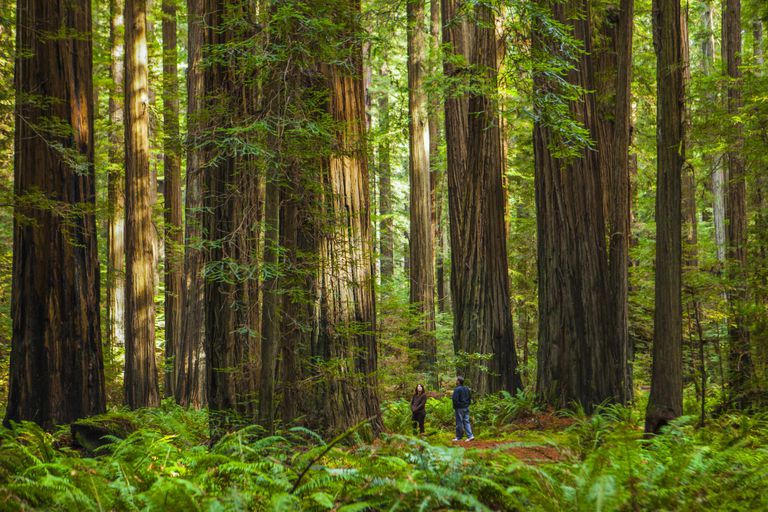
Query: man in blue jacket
{"x": 462, "y": 398}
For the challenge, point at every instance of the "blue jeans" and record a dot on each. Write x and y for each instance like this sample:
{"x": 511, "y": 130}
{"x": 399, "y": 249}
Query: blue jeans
{"x": 462, "y": 423}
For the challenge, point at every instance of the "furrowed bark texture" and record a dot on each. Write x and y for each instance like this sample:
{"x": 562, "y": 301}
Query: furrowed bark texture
{"x": 346, "y": 343}
{"x": 688, "y": 192}
{"x": 614, "y": 80}
{"x": 270, "y": 323}
{"x": 740, "y": 358}
{"x": 141, "y": 386}
{"x": 583, "y": 338}
{"x": 190, "y": 359}
{"x": 56, "y": 368}
{"x": 437, "y": 173}
{"x": 174, "y": 230}
{"x": 386, "y": 224}
{"x": 479, "y": 280}
{"x": 232, "y": 219}
{"x": 422, "y": 275}
{"x": 116, "y": 183}
{"x": 666, "y": 399}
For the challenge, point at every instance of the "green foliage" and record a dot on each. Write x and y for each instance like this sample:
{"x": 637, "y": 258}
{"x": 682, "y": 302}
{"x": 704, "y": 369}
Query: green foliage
{"x": 605, "y": 464}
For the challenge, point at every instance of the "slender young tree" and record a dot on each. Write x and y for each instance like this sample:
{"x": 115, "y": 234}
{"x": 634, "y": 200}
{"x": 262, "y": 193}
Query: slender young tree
{"x": 479, "y": 276}
{"x": 141, "y": 386}
{"x": 56, "y": 368}
{"x": 116, "y": 183}
{"x": 422, "y": 274}
{"x": 270, "y": 323}
{"x": 740, "y": 358}
{"x": 190, "y": 361}
{"x": 386, "y": 224}
{"x": 688, "y": 193}
{"x": 714, "y": 162}
{"x": 174, "y": 231}
{"x": 666, "y": 399}
{"x": 436, "y": 173}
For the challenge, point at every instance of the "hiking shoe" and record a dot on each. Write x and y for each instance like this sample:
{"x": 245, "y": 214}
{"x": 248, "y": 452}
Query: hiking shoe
{"x": 456, "y": 439}
{"x": 470, "y": 438}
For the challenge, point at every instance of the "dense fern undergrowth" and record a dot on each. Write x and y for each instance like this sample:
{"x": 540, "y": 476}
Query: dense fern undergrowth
{"x": 161, "y": 459}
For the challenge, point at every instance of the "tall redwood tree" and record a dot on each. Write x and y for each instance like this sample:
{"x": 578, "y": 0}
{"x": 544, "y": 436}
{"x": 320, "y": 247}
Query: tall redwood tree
{"x": 56, "y": 369}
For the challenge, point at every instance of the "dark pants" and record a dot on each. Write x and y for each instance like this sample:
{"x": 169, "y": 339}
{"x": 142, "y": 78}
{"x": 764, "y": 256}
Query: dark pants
{"x": 462, "y": 423}
{"x": 418, "y": 419}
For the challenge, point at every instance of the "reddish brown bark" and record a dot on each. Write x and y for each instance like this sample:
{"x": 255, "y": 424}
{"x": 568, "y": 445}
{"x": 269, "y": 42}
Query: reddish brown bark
{"x": 666, "y": 399}
{"x": 232, "y": 220}
{"x": 347, "y": 313}
{"x": 583, "y": 342}
{"x": 56, "y": 369}
{"x": 422, "y": 269}
{"x": 479, "y": 280}
{"x": 174, "y": 230}
{"x": 386, "y": 224}
{"x": 141, "y": 386}
{"x": 740, "y": 357}
{"x": 116, "y": 184}
{"x": 190, "y": 361}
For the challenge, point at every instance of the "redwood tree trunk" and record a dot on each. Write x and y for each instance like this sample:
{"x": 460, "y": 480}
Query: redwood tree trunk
{"x": 582, "y": 333}
{"x": 232, "y": 210}
{"x": 386, "y": 224}
{"x": 422, "y": 271}
{"x": 56, "y": 368}
{"x": 613, "y": 63}
{"x": 666, "y": 399}
{"x": 190, "y": 361}
{"x": 479, "y": 272}
{"x": 141, "y": 387}
{"x": 347, "y": 312}
{"x": 740, "y": 358}
{"x": 437, "y": 175}
{"x": 174, "y": 231}
{"x": 270, "y": 324}
{"x": 116, "y": 184}
{"x": 298, "y": 241}
{"x": 688, "y": 193}
{"x": 716, "y": 168}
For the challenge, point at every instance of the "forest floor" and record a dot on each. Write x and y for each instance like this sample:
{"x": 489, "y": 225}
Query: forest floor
{"x": 520, "y": 438}
{"x": 523, "y": 458}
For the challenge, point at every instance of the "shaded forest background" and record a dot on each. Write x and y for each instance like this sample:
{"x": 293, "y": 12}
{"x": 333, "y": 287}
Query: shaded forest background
{"x": 339, "y": 190}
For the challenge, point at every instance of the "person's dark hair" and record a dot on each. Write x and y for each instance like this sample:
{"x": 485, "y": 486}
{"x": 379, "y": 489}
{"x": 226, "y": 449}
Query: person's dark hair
{"x": 460, "y": 380}
{"x": 416, "y": 390}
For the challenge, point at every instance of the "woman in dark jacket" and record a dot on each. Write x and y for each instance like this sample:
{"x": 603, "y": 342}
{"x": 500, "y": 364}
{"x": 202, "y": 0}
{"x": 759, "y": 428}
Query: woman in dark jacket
{"x": 419, "y": 408}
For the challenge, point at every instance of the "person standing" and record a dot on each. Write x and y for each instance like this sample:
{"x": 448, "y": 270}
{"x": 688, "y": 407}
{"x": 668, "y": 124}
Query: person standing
{"x": 419, "y": 408}
{"x": 462, "y": 398}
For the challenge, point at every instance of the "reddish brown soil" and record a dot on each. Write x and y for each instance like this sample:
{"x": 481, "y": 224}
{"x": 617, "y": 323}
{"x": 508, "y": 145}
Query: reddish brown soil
{"x": 527, "y": 454}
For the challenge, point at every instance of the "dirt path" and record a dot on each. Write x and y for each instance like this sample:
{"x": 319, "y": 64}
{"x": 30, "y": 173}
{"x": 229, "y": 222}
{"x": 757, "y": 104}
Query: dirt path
{"x": 529, "y": 454}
